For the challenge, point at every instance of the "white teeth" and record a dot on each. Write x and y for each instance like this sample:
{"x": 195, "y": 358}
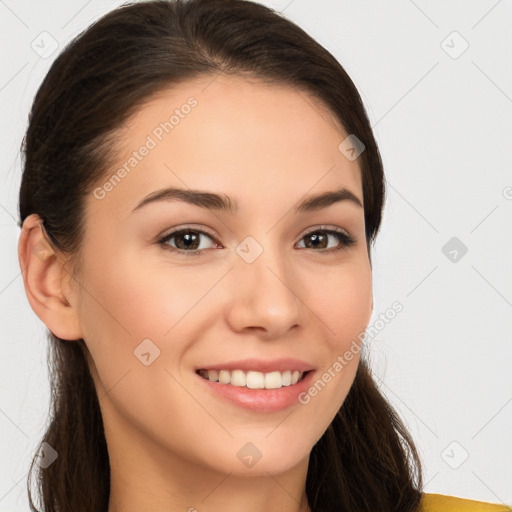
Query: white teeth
{"x": 273, "y": 380}
{"x": 253, "y": 380}
{"x": 224, "y": 377}
{"x": 287, "y": 378}
{"x": 238, "y": 378}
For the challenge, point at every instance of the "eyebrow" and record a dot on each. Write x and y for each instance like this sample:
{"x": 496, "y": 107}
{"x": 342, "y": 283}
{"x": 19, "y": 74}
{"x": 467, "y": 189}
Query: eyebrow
{"x": 224, "y": 203}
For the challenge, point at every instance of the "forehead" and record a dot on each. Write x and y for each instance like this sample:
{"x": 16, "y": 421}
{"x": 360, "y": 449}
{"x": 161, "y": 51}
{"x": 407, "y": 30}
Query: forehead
{"x": 233, "y": 135}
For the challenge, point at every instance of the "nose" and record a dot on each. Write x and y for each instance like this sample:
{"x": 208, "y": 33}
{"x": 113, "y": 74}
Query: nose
{"x": 266, "y": 297}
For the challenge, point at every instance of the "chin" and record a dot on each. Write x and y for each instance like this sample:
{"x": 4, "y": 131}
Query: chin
{"x": 260, "y": 458}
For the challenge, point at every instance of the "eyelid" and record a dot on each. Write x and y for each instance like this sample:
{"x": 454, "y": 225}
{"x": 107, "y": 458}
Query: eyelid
{"x": 190, "y": 227}
{"x": 324, "y": 227}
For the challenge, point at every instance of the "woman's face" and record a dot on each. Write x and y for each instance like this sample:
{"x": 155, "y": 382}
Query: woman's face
{"x": 257, "y": 287}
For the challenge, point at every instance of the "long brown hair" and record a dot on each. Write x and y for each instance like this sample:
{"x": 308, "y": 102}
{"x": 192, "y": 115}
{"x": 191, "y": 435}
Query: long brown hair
{"x": 366, "y": 459}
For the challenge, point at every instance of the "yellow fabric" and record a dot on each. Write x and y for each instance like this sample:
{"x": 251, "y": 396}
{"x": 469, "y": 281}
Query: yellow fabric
{"x": 442, "y": 503}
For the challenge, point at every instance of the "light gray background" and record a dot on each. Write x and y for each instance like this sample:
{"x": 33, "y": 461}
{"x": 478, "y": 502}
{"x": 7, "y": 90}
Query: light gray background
{"x": 444, "y": 126}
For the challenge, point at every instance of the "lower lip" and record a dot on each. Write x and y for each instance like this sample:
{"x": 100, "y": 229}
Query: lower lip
{"x": 260, "y": 400}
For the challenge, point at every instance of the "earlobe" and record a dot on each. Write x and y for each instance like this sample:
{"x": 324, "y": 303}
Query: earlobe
{"x": 43, "y": 277}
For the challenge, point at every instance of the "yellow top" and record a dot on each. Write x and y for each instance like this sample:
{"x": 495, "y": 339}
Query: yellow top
{"x": 442, "y": 503}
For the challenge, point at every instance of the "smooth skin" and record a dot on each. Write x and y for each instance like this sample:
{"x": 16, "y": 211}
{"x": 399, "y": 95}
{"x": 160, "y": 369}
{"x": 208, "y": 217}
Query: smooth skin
{"x": 173, "y": 445}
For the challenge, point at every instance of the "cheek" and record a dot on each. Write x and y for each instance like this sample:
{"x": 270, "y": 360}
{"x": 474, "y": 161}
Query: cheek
{"x": 128, "y": 301}
{"x": 130, "y": 296}
{"x": 343, "y": 301}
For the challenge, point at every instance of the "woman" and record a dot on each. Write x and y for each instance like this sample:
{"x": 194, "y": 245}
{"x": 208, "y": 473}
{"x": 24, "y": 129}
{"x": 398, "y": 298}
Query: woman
{"x": 201, "y": 188}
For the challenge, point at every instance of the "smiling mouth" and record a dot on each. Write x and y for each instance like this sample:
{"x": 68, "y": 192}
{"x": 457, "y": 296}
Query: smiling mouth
{"x": 253, "y": 379}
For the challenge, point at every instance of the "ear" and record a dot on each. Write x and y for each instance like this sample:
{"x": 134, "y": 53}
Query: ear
{"x": 46, "y": 279}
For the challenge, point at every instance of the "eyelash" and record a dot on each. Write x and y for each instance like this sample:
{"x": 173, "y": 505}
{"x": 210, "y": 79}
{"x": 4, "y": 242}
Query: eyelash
{"x": 345, "y": 240}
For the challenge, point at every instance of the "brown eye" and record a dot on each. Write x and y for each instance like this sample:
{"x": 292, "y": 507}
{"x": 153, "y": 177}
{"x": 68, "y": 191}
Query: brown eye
{"x": 187, "y": 241}
{"x": 317, "y": 241}
{"x": 320, "y": 239}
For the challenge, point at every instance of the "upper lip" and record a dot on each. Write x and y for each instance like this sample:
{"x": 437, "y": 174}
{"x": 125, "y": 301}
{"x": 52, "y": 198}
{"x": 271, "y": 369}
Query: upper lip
{"x": 261, "y": 365}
